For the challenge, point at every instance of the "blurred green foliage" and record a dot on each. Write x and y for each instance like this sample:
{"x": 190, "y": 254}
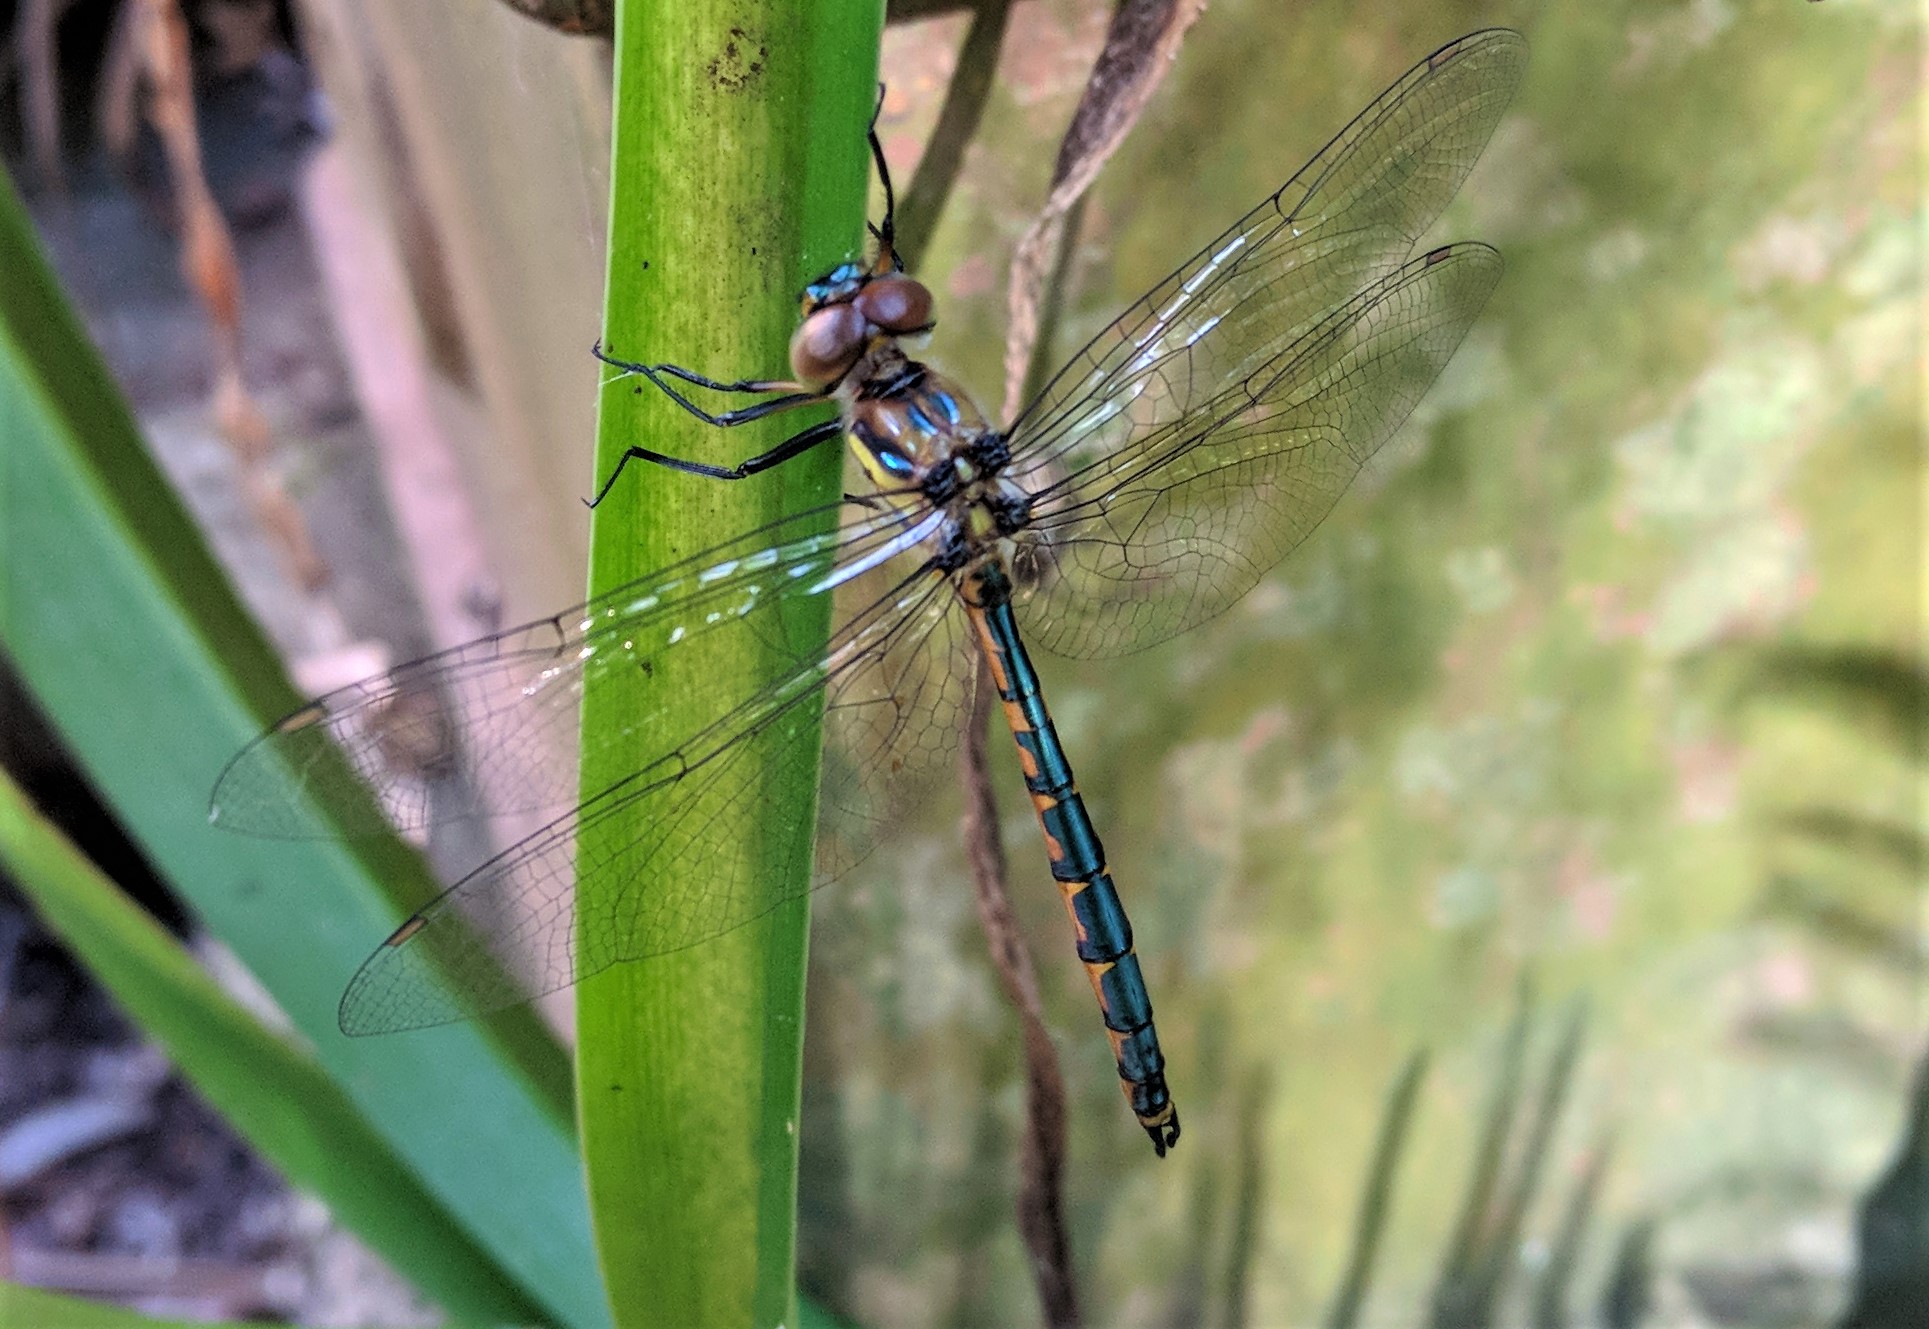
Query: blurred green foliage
{"x": 1528, "y": 699}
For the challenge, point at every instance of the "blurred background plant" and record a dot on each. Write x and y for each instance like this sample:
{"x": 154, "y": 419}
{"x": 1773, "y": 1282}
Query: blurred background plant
{"x": 1611, "y": 673}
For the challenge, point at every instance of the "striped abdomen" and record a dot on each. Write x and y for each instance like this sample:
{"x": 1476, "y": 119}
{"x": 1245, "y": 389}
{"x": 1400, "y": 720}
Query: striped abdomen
{"x": 1078, "y": 859}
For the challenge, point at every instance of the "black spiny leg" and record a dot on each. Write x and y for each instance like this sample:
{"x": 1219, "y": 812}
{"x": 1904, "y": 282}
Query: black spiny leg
{"x": 887, "y": 234}
{"x": 795, "y": 445}
{"x": 795, "y": 394}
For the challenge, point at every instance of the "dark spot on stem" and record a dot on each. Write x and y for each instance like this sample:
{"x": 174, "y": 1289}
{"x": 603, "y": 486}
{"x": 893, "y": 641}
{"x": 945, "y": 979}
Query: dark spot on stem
{"x": 741, "y": 63}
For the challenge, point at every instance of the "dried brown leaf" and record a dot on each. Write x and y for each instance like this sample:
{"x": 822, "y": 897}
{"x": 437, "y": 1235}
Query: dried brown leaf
{"x": 240, "y": 33}
{"x": 208, "y": 265}
{"x": 1139, "y": 48}
{"x": 581, "y": 18}
{"x": 117, "y": 100}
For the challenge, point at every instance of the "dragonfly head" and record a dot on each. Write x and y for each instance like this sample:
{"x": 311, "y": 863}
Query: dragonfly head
{"x": 845, "y": 312}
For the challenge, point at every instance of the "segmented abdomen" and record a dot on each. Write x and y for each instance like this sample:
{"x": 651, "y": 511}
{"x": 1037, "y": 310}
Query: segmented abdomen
{"x": 1104, "y": 935}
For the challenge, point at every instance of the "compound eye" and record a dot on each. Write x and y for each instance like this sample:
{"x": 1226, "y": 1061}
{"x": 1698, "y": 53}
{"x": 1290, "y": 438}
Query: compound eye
{"x": 895, "y": 304}
{"x": 826, "y": 344}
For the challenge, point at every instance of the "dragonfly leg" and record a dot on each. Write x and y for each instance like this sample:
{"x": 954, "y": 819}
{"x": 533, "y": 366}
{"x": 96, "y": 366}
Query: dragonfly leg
{"x": 795, "y": 445}
{"x": 795, "y": 394}
{"x": 887, "y": 233}
{"x": 700, "y": 380}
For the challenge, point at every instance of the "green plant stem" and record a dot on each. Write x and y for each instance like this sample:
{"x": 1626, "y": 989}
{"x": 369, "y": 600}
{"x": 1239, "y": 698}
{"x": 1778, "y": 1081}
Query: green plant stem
{"x": 738, "y": 173}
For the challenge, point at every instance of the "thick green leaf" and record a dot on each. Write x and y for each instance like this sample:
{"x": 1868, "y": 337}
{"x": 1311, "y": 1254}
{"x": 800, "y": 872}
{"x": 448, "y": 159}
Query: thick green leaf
{"x": 738, "y": 174}
{"x": 126, "y": 631}
{"x": 273, "y": 1094}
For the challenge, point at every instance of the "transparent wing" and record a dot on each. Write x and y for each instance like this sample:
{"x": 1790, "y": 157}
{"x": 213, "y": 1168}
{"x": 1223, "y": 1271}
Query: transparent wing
{"x": 509, "y": 930}
{"x": 502, "y": 712}
{"x": 890, "y": 729}
{"x": 1137, "y": 545}
{"x": 1347, "y": 219}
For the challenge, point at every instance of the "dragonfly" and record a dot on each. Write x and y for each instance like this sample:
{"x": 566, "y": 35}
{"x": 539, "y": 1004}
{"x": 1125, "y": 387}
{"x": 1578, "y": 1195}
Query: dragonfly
{"x": 1173, "y": 461}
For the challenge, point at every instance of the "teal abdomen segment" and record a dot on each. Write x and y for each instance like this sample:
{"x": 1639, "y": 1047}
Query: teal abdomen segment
{"x": 1123, "y": 997}
{"x": 1104, "y": 934}
{"x": 1077, "y": 855}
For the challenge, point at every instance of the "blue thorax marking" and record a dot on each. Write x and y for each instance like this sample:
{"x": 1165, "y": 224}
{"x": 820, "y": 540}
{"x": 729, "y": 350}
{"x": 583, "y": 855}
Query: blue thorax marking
{"x": 947, "y": 403}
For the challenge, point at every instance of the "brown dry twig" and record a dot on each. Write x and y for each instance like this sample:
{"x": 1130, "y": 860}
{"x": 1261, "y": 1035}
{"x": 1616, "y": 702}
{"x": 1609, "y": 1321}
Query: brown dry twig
{"x": 241, "y": 34}
{"x": 1041, "y": 1212}
{"x": 117, "y": 95}
{"x": 964, "y": 106}
{"x": 911, "y": 11}
{"x": 1139, "y": 46}
{"x": 37, "y": 56}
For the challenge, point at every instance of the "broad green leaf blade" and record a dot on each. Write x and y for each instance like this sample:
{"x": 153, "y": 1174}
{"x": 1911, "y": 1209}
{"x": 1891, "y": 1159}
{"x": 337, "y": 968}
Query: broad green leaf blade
{"x": 274, "y": 1095}
{"x": 130, "y": 637}
{"x": 738, "y": 174}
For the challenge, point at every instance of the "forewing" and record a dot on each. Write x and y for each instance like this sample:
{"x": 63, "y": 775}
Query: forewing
{"x": 1141, "y": 545}
{"x": 508, "y": 931}
{"x": 502, "y": 713}
{"x": 1344, "y": 222}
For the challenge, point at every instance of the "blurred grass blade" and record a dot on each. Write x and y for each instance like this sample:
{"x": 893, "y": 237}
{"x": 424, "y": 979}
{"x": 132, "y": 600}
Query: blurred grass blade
{"x": 1628, "y": 1292}
{"x": 738, "y": 174}
{"x": 126, "y": 631}
{"x": 1377, "y": 1197}
{"x": 273, "y": 1095}
{"x": 1459, "y": 1297}
{"x": 1884, "y": 691}
{"x": 1892, "y": 1226}
{"x": 1556, "y": 1279}
{"x": 1244, "y": 1244}
{"x": 1502, "y": 1238}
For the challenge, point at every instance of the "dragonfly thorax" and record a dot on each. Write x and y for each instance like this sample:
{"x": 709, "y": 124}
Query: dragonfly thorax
{"x": 910, "y": 428}
{"x": 919, "y": 438}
